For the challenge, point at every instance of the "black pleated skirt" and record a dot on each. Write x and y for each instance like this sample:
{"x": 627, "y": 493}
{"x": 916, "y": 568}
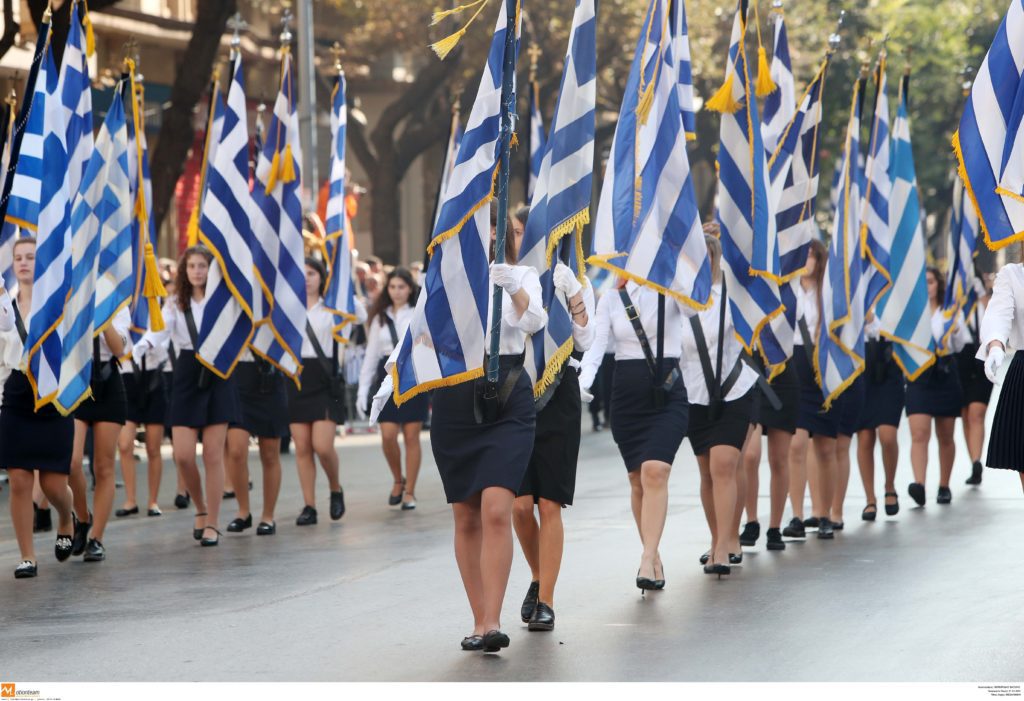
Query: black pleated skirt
{"x": 884, "y": 388}
{"x": 471, "y": 457}
{"x": 146, "y": 394}
{"x": 641, "y": 431}
{"x": 811, "y": 417}
{"x": 314, "y": 401}
{"x": 413, "y": 411}
{"x": 1006, "y": 441}
{"x": 937, "y": 391}
{"x": 787, "y": 388}
{"x": 262, "y": 399}
{"x": 729, "y": 428}
{"x": 848, "y": 407}
{"x": 975, "y": 386}
{"x": 108, "y": 403}
{"x": 29, "y": 439}
{"x": 551, "y": 473}
{"x": 193, "y": 407}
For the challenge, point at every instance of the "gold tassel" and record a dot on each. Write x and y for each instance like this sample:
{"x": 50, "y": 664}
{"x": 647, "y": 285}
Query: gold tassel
{"x": 275, "y": 165}
{"x": 444, "y": 47}
{"x": 644, "y": 104}
{"x": 723, "y": 101}
{"x": 193, "y": 227}
{"x": 287, "y": 174}
{"x": 440, "y": 15}
{"x": 153, "y": 289}
{"x": 515, "y": 141}
{"x": 90, "y": 36}
{"x": 765, "y": 85}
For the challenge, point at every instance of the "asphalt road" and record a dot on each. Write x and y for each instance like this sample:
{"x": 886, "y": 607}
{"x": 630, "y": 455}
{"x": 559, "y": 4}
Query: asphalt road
{"x": 930, "y": 595}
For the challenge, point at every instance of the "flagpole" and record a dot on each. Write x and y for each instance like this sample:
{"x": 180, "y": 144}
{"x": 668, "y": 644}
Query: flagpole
{"x": 507, "y": 110}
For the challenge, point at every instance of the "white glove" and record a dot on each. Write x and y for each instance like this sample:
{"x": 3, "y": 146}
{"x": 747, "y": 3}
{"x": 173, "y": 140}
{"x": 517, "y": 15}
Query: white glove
{"x": 565, "y": 281}
{"x": 993, "y": 362}
{"x": 504, "y": 277}
{"x": 381, "y": 398}
{"x": 585, "y": 395}
{"x": 140, "y": 349}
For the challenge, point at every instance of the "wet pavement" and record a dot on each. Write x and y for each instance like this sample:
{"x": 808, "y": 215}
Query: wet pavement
{"x": 930, "y": 595}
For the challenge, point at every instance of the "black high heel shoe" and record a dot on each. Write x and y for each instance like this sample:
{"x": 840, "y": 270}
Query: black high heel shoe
{"x": 705, "y": 557}
{"x": 735, "y": 558}
{"x": 659, "y": 582}
{"x": 197, "y": 533}
{"x": 715, "y": 568}
{"x": 644, "y": 584}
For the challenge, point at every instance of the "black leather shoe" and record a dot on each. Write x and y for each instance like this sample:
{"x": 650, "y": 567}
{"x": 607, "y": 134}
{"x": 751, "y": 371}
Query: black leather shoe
{"x": 494, "y": 641}
{"x": 307, "y": 517}
{"x": 181, "y": 501}
{"x": 210, "y": 542}
{"x": 81, "y": 536}
{"x": 705, "y": 558}
{"x": 812, "y": 522}
{"x": 892, "y": 509}
{"x": 717, "y": 569}
{"x": 197, "y": 533}
{"x": 396, "y": 500}
{"x": 751, "y": 532}
{"x": 838, "y": 525}
{"x": 775, "y": 541}
{"x": 945, "y": 496}
{"x": 825, "y": 530}
{"x": 228, "y": 495}
{"x": 530, "y": 602}
{"x": 543, "y": 618}
{"x": 795, "y": 529}
{"x": 94, "y": 551}
{"x": 43, "y": 521}
{"x": 870, "y": 512}
{"x": 62, "y": 549}
{"x": 121, "y": 513}
{"x": 976, "y": 470}
{"x": 472, "y": 643}
{"x": 155, "y": 511}
{"x": 25, "y": 570}
{"x": 240, "y": 524}
{"x": 735, "y": 558}
{"x": 916, "y": 491}
{"x": 337, "y": 504}
{"x": 266, "y": 528}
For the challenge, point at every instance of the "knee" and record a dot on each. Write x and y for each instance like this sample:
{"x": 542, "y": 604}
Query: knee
{"x": 495, "y": 517}
{"x": 549, "y": 510}
{"x": 920, "y": 435}
{"x": 722, "y": 470}
{"x": 522, "y": 509}
{"x": 22, "y": 482}
{"x": 467, "y": 522}
{"x": 654, "y": 475}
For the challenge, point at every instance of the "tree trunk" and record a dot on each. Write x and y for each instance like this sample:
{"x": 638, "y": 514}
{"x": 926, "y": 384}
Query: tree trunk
{"x": 191, "y": 79}
{"x": 10, "y": 28}
{"x": 386, "y": 215}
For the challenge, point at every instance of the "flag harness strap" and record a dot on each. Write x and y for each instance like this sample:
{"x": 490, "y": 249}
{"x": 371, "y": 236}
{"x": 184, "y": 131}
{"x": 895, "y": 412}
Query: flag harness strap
{"x": 204, "y": 372}
{"x": 717, "y": 390}
{"x": 330, "y": 365}
{"x": 645, "y": 345}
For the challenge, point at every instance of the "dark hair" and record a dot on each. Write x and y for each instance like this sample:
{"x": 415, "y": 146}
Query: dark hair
{"x": 373, "y": 260}
{"x": 522, "y": 213}
{"x": 940, "y": 285}
{"x": 321, "y": 269}
{"x": 820, "y": 253}
{"x": 383, "y": 300}
{"x": 510, "y": 241}
{"x": 23, "y": 239}
{"x": 183, "y": 288}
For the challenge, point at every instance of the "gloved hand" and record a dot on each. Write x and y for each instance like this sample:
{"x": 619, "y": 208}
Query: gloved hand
{"x": 993, "y": 362}
{"x": 360, "y": 409}
{"x": 140, "y": 349}
{"x": 566, "y": 281}
{"x": 504, "y": 277}
{"x": 378, "y": 406}
{"x": 585, "y": 395}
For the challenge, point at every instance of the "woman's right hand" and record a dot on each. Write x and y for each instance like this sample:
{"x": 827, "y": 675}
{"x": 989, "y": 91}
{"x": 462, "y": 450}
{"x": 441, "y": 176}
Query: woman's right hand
{"x": 994, "y": 361}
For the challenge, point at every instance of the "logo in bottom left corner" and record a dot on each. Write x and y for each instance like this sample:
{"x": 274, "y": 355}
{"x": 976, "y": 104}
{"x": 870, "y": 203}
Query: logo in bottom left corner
{"x": 6, "y": 690}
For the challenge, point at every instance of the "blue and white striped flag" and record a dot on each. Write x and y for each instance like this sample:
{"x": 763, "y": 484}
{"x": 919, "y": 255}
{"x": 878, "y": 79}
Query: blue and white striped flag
{"x": 101, "y": 244}
{"x": 214, "y": 129}
{"x": 279, "y": 251}
{"x": 141, "y": 188}
{"x": 990, "y": 141}
{"x": 561, "y": 204}
{"x": 450, "y": 154}
{"x": 840, "y": 354}
{"x": 904, "y": 312}
{"x": 876, "y": 233}
{"x": 745, "y": 211}
{"x": 648, "y": 226}
{"x": 780, "y": 105}
{"x": 445, "y": 341}
{"x": 225, "y": 228}
{"x": 340, "y": 295}
{"x": 961, "y": 293}
{"x": 684, "y": 69}
{"x": 8, "y": 230}
{"x": 536, "y": 139}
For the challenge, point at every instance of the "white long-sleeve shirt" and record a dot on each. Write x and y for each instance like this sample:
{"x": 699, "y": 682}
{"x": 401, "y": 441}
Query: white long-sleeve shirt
{"x": 693, "y": 368}
{"x": 960, "y": 336}
{"x": 583, "y": 336}
{"x": 516, "y": 329}
{"x": 175, "y": 326}
{"x": 1004, "y": 317}
{"x": 380, "y": 346}
{"x": 806, "y": 309}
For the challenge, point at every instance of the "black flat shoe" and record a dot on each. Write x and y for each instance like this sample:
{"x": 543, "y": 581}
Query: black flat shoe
{"x": 870, "y": 512}
{"x": 472, "y": 643}
{"x": 121, "y": 513}
{"x": 181, "y": 501}
{"x": 62, "y": 549}
{"x": 751, "y": 532}
{"x": 155, "y": 511}
{"x": 825, "y": 530}
{"x": 307, "y": 517}
{"x": 705, "y": 558}
{"x": 812, "y": 522}
{"x": 795, "y": 529}
{"x": 530, "y": 602}
{"x": 409, "y": 505}
{"x": 25, "y": 570}
{"x": 892, "y": 509}
{"x": 976, "y": 470}
{"x": 775, "y": 541}
{"x": 717, "y": 569}
{"x": 266, "y": 528}
{"x": 337, "y": 504}
{"x": 494, "y": 641}
{"x": 543, "y": 618}
{"x": 240, "y": 524}
{"x": 396, "y": 500}
{"x": 95, "y": 552}
{"x": 81, "y": 536}
{"x": 228, "y": 495}
{"x": 210, "y": 542}
{"x": 916, "y": 491}
{"x": 197, "y": 533}
{"x": 945, "y": 496}
{"x": 43, "y": 521}
{"x": 838, "y": 525}
{"x": 735, "y": 558}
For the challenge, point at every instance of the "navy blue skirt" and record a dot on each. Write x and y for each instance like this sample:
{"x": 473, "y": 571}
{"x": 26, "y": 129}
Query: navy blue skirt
{"x": 262, "y": 400}
{"x": 30, "y": 439}
{"x": 108, "y": 403}
{"x": 552, "y": 471}
{"x": 937, "y": 391}
{"x": 848, "y": 407}
{"x": 729, "y": 428}
{"x": 884, "y": 388}
{"x": 975, "y": 386}
{"x": 472, "y": 457}
{"x": 641, "y": 431}
{"x": 146, "y": 392}
{"x": 811, "y": 417}
{"x": 314, "y": 402}
{"x": 787, "y": 388}
{"x": 192, "y": 407}
{"x": 1006, "y": 442}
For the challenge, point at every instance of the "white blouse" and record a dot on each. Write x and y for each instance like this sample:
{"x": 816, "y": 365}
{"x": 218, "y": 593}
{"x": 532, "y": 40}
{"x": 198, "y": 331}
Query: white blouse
{"x": 690, "y": 363}
{"x": 583, "y": 336}
{"x": 175, "y": 326}
{"x": 379, "y": 345}
{"x": 121, "y": 324}
{"x": 1004, "y": 316}
{"x": 516, "y": 329}
{"x": 806, "y": 309}
{"x": 960, "y": 336}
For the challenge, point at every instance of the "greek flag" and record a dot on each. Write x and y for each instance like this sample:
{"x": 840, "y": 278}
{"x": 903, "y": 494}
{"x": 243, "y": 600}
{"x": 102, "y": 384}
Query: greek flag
{"x": 140, "y": 188}
{"x": 903, "y": 311}
{"x": 745, "y": 211}
{"x": 67, "y": 144}
{"x": 340, "y": 295}
{"x": 8, "y": 231}
{"x": 876, "y": 235}
{"x": 445, "y": 341}
{"x": 990, "y": 141}
{"x": 780, "y": 105}
{"x": 681, "y": 52}
{"x": 648, "y": 226}
{"x": 214, "y": 128}
{"x": 561, "y": 204}
{"x": 536, "y": 139}
{"x": 960, "y": 286}
{"x": 100, "y": 261}
{"x": 279, "y": 251}
{"x": 450, "y": 154}
{"x": 224, "y": 228}
{"x": 840, "y": 355}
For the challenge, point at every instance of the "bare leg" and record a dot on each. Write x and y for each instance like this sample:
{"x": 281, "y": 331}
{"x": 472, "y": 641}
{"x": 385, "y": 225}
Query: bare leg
{"x": 920, "y": 434}
{"x": 496, "y": 551}
{"x": 79, "y": 486}
{"x": 324, "y": 433}
{"x": 654, "y": 479}
{"x": 974, "y": 429}
{"x": 468, "y": 547}
{"x": 236, "y": 465}
{"x": 126, "y": 447}
{"x": 392, "y": 454}
{"x": 866, "y": 463}
{"x": 825, "y": 453}
{"x": 707, "y": 497}
{"x": 184, "y": 440}
{"x": 724, "y": 463}
{"x": 842, "y": 473}
{"x": 22, "y": 513}
{"x": 302, "y": 437}
{"x": 751, "y": 463}
{"x": 798, "y": 472}
{"x": 778, "y": 462}
{"x": 944, "y": 428}
{"x": 104, "y": 445}
{"x": 813, "y": 486}
{"x": 413, "y": 458}
{"x": 155, "y": 466}
{"x": 887, "y": 436}
{"x": 214, "y": 439}
{"x": 270, "y": 459}
{"x": 528, "y": 533}
{"x": 552, "y": 542}
{"x": 636, "y": 500}
{"x": 55, "y": 487}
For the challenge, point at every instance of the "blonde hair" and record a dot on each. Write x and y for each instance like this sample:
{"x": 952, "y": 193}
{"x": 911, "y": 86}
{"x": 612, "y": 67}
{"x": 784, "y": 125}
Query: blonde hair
{"x": 715, "y": 253}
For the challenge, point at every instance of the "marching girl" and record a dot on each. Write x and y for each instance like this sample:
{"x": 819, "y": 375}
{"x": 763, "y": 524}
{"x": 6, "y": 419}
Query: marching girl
{"x": 977, "y": 390}
{"x": 720, "y": 388}
{"x": 31, "y": 440}
{"x": 550, "y": 480}
{"x": 814, "y": 426}
{"x": 145, "y": 386}
{"x": 181, "y": 498}
{"x": 1002, "y": 326}
{"x": 880, "y": 419}
{"x": 315, "y": 411}
{"x": 105, "y": 414}
{"x": 200, "y": 401}
{"x": 388, "y": 320}
{"x": 936, "y": 395}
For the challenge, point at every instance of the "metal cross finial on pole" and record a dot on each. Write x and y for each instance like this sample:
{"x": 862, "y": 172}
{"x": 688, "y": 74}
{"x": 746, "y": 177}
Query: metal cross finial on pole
{"x": 236, "y": 24}
{"x": 835, "y": 38}
{"x": 286, "y": 25}
{"x": 535, "y": 53}
{"x": 337, "y": 52}
{"x": 965, "y": 77}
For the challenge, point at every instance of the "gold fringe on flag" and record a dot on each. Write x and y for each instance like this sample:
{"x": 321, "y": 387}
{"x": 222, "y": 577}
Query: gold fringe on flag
{"x": 90, "y": 36}
{"x": 287, "y": 174}
{"x": 444, "y": 47}
{"x": 723, "y": 100}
